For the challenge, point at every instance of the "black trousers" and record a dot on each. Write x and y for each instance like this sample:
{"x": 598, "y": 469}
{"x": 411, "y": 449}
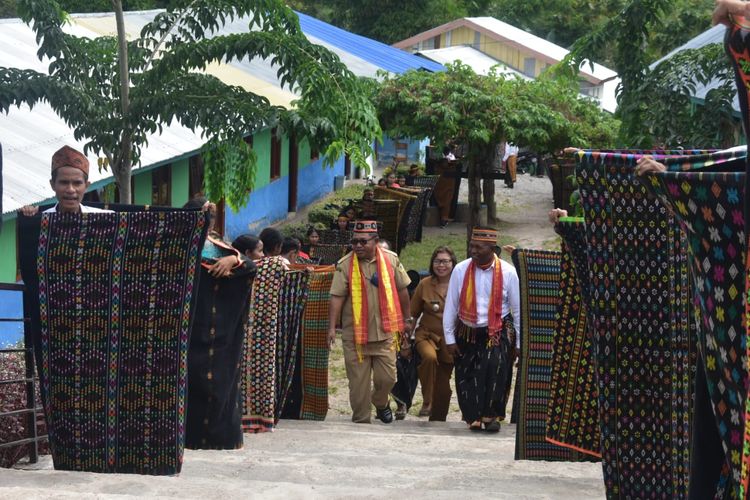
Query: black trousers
{"x": 481, "y": 373}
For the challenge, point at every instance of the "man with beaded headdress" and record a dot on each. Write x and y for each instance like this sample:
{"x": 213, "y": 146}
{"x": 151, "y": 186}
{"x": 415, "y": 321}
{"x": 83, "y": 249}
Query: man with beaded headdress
{"x": 482, "y": 293}
{"x": 369, "y": 296}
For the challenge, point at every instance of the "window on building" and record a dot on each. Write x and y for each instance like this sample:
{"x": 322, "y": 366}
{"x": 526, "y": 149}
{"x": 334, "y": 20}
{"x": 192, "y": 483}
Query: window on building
{"x": 275, "y": 155}
{"x": 161, "y": 186}
{"x": 436, "y": 42}
{"x": 196, "y": 175}
{"x": 477, "y": 40}
{"x": 529, "y": 66}
{"x": 449, "y": 39}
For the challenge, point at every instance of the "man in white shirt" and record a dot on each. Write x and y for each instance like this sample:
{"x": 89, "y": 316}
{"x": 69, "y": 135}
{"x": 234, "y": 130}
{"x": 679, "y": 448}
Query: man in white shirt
{"x": 69, "y": 181}
{"x": 482, "y": 293}
{"x": 509, "y": 159}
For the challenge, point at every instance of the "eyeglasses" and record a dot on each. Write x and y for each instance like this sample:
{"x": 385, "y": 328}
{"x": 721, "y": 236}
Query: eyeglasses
{"x": 442, "y": 262}
{"x": 360, "y": 241}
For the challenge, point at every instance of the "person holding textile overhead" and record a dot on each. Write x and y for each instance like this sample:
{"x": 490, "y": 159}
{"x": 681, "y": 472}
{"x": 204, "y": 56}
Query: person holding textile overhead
{"x": 368, "y": 297}
{"x": 482, "y": 292}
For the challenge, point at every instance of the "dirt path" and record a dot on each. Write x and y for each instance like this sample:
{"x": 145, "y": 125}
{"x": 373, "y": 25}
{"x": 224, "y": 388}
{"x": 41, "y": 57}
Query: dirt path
{"x": 522, "y": 213}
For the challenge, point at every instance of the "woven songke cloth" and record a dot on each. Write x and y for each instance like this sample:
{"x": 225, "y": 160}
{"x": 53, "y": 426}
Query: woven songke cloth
{"x": 737, "y": 47}
{"x": 573, "y": 409}
{"x": 539, "y": 278}
{"x": 315, "y": 346}
{"x": 415, "y": 216}
{"x": 291, "y": 306}
{"x": 642, "y": 317}
{"x": 709, "y": 206}
{"x": 116, "y": 297}
{"x": 259, "y": 380}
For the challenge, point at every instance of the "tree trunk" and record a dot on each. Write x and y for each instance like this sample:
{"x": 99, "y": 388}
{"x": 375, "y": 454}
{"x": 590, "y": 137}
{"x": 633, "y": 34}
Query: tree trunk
{"x": 488, "y": 195}
{"x": 123, "y": 165}
{"x": 474, "y": 197}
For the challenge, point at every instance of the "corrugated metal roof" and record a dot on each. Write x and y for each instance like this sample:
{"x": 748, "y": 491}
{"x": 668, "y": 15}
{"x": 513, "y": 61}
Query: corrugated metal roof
{"x": 377, "y": 53}
{"x": 480, "y": 62}
{"x": 30, "y": 137}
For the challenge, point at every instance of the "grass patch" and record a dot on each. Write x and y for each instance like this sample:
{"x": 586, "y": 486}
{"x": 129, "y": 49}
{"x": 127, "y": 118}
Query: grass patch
{"x": 552, "y": 244}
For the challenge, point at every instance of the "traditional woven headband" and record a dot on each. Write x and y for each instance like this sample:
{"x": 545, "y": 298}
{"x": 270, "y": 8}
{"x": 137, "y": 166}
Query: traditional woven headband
{"x": 487, "y": 235}
{"x": 365, "y": 226}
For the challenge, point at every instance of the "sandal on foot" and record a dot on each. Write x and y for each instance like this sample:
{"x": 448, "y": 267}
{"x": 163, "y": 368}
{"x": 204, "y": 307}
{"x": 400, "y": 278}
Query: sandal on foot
{"x": 475, "y": 426}
{"x": 400, "y": 411}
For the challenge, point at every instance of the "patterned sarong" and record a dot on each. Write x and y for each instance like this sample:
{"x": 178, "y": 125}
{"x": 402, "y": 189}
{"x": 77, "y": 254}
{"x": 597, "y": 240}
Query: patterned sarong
{"x": 573, "y": 410}
{"x": 315, "y": 346}
{"x": 259, "y": 381}
{"x": 709, "y": 206}
{"x": 116, "y": 295}
{"x": 539, "y": 280}
{"x": 642, "y": 319}
{"x": 291, "y": 305}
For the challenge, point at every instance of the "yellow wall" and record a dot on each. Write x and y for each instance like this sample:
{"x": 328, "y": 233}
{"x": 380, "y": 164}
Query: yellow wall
{"x": 460, "y": 36}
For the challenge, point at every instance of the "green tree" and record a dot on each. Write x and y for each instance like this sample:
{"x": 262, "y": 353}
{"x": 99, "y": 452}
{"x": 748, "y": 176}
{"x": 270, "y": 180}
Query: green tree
{"x": 625, "y": 35}
{"x": 671, "y": 116}
{"x": 627, "y": 39}
{"x": 482, "y": 112}
{"x": 115, "y": 92}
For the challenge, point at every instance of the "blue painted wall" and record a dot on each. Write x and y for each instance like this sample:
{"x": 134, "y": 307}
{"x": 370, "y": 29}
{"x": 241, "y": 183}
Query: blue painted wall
{"x": 11, "y": 306}
{"x": 316, "y": 181}
{"x": 269, "y": 204}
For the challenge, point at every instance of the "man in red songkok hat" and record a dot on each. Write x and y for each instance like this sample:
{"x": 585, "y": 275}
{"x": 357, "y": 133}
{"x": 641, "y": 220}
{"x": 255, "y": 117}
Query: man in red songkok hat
{"x": 483, "y": 292}
{"x": 369, "y": 295}
{"x": 69, "y": 181}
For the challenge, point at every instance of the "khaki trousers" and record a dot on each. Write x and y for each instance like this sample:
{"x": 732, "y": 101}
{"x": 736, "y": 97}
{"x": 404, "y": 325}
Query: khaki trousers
{"x": 511, "y": 166}
{"x": 371, "y": 380}
{"x": 434, "y": 373}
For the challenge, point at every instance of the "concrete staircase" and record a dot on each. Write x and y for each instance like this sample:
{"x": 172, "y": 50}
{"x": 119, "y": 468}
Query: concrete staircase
{"x": 336, "y": 459}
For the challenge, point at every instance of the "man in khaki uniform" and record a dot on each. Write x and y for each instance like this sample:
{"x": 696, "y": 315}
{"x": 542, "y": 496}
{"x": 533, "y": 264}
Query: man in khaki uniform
{"x": 371, "y": 360}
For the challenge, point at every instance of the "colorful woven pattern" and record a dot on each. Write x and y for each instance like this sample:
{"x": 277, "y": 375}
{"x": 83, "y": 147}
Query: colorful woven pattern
{"x": 259, "y": 381}
{"x": 641, "y": 312}
{"x": 315, "y": 346}
{"x": 573, "y": 410}
{"x": 291, "y": 305}
{"x": 737, "y": 47}
{"x": 115, "y": 294}
{"x": 710, "y": 208}
{"x": 539, "y": 277}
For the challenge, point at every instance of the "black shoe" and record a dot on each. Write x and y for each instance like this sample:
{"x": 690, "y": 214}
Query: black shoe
{"x": 385, "y": 415}
{"x": 493, "y": 426}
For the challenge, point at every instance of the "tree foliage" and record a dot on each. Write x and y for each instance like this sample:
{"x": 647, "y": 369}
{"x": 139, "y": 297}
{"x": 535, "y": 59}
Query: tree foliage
{"x": 164, "y": 82}
{"x": 656, "y": 105}
{"x": 482, "y": 112}
{"x": 626, "y": 36}
{"x": 671, "y": 116}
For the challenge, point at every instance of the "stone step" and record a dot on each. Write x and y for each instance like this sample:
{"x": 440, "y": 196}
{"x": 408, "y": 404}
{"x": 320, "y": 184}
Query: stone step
{"x": 337, "y": 459}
